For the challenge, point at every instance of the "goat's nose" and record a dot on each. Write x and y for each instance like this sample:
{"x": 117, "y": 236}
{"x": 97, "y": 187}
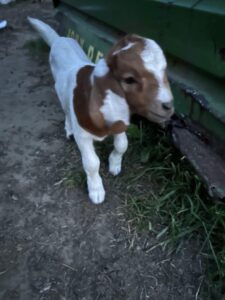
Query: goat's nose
{"x": 167, "y": 105}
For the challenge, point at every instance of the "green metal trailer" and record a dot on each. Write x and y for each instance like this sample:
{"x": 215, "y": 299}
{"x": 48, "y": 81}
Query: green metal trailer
{"x": 192, "y": 34}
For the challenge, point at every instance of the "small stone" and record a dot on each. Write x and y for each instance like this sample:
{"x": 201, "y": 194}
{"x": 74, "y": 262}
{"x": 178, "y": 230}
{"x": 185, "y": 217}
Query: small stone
{"x": 46, "y": 288}
{"x": 14, "y": 197}
{"x": 190, "y": 292}
{"x": 19, "y": 248}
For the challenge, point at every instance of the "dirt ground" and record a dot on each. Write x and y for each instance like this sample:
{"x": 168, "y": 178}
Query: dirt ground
{"x": 54, "y": 243}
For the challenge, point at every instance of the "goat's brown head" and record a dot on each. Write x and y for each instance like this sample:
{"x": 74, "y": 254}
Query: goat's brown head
{"x": 140, "y": 67}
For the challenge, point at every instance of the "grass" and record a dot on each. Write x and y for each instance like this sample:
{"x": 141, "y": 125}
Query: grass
{"x": 36, "y": 47}
{"x": 164, "y": 195}
{"x": 75, "y": 179}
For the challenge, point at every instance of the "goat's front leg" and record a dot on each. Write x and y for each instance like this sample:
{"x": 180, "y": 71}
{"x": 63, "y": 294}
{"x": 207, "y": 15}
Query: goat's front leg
{"x": 68, "y": 128}
{"x": 115, "y": 158}
{"x": 91, "y": 164}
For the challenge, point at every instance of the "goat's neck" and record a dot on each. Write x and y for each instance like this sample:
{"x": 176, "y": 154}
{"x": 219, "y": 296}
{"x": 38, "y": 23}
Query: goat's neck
{"x": 108, "y": 99}
{"x": 103, "y": 80}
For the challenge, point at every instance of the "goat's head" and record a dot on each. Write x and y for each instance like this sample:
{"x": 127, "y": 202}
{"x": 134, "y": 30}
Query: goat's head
{"x": 140, "y": 67}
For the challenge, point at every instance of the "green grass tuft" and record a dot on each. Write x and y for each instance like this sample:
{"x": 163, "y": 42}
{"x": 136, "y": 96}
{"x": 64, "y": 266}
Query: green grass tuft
{"x": 37, "y": 47}
{"x": 75, "y": 178}
{"x": 167, "y": 197}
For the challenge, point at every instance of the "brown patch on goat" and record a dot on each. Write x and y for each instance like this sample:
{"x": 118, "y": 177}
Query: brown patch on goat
{"x": 88, "y": 100}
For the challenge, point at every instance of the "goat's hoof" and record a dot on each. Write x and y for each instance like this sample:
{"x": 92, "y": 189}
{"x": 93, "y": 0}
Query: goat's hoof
{"x": 114, "y": 169}
{"x": 97, "y": 196}
{"x": 70, "y": 137}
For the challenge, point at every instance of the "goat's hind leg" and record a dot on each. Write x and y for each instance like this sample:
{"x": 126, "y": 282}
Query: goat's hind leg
{"x": 64, "y": 104}
{"x": 68, "y": 128}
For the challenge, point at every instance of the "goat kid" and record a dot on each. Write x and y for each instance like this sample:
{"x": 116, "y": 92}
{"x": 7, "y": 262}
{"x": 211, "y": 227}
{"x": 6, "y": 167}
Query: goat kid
{"x": 98, "y": 100}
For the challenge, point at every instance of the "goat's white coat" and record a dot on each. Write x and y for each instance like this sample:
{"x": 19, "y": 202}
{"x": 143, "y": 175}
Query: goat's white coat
{"x": 66, "y": 59}
{"x": 164, "y": 94}
{"x": 153, "y": 58}
{"x": 101, "y": 68}
{"x": 115, "y": 108}
{"x": 128, "y": 46}
{"x": 155, "y": 62}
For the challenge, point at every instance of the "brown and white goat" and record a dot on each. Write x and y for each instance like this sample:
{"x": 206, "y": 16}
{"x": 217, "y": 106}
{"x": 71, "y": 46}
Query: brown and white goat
{"x": 98, "y": 100}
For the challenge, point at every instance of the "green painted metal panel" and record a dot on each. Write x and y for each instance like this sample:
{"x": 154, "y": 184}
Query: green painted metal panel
{"x": 203, "y": 90}
{"x": 191, "y": 30}
{"x": 95, "y": 39}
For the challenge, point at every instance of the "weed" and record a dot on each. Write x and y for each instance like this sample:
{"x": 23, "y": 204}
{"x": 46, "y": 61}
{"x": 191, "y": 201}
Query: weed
{"x": 36, "y": 47}
{"x": 163, "y": 194}
{"x": 75, "y": 178}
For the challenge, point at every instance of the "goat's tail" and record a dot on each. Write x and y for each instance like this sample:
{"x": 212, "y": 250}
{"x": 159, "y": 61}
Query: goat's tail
{"x": 46, "y": 32}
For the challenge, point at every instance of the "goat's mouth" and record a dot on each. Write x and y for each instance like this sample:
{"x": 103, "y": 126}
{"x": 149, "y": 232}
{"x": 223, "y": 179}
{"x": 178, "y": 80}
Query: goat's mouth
{"x": 159, "y": 116}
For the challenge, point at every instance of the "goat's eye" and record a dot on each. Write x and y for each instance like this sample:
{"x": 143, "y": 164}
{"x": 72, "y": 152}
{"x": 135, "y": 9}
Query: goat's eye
{"x": 130, "y": 80}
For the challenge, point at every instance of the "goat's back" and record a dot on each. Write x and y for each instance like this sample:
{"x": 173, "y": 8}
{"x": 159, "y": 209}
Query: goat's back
{"x": 65, "y": 55}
